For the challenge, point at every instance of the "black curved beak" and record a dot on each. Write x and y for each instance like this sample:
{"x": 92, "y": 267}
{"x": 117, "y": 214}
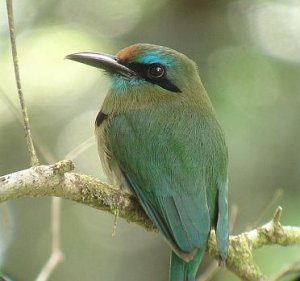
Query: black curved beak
{"x": 100, "y": 60}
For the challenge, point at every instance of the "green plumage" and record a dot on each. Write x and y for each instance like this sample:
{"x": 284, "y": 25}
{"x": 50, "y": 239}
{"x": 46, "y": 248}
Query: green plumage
{"x": 161, "y": 139}
{"x": 176, "y": 183}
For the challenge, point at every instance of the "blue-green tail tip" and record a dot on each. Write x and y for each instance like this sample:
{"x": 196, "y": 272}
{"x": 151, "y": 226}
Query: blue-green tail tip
{"x": 185, "y": 271}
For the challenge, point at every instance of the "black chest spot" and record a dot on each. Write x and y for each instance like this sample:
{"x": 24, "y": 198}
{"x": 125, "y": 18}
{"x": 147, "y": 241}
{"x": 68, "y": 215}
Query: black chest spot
{"x": 100, "y": 118}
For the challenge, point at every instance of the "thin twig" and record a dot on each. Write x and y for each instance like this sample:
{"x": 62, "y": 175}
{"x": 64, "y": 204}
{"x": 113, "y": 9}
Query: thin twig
{"x": 294, "y": 267}
{"x": 56, "y": 255}
{"x": 114, "y": 231}
{"x": 33, "y": 158}
{"x": 233, "y": 216}
{"x": 41, "y": 146}
{"x": 276, "y": 197}
{"x": 210, "y": 271}
{"x": 74, "y": 153}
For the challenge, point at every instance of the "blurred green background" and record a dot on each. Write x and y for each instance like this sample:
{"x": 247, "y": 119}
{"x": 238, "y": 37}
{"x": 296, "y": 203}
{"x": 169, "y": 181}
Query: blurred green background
{"x": 248, "y": 53}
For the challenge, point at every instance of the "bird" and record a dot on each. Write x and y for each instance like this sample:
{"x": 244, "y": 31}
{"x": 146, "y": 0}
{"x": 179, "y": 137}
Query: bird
{"x": 158, "y": 137}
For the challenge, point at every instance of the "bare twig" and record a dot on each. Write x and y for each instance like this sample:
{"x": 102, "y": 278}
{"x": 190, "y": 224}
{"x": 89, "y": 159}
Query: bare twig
{"x": 56, "y": 255}
{"x": 210, "y": 271}
{"x": 33, "y": 158}
{"x": 294, "y": 267}
{"x": 41, "y": 146}
{"x": 269, "y": 205}
{"x": 74, "y": 153}
{"x": 56, "y": 180}
{"x": 233, "y": 216}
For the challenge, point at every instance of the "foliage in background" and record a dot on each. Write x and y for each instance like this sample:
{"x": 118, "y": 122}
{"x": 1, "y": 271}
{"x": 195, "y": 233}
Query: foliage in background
{"x": 248, "y": 56}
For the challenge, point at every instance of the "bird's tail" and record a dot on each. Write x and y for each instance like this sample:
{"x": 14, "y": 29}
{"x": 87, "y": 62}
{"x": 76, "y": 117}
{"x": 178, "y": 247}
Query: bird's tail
{"x": 185, "y": 271}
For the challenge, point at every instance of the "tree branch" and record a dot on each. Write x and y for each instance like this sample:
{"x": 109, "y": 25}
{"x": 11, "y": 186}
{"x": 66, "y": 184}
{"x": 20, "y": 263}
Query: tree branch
{"x": 240, "y": 259}
{"x": 57, "y": 180}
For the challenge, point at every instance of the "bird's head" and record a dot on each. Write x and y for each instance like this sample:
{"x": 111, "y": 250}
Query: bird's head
{"x": 145, "y": 66}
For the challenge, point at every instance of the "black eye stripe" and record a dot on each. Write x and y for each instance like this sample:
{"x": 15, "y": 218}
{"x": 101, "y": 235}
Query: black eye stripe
{"x": 143, "y": 71}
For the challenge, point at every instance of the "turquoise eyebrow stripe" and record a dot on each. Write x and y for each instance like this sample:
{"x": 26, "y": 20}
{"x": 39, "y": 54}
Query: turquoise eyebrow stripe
{"x": 153, "y": 57}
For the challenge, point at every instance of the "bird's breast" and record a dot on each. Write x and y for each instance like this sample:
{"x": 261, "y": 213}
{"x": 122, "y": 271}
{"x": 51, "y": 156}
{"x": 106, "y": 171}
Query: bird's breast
{"x": 107, "y": 158}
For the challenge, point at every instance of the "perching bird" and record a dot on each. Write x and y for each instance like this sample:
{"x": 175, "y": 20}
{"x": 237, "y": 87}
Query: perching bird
{"x": 158, "y": 136}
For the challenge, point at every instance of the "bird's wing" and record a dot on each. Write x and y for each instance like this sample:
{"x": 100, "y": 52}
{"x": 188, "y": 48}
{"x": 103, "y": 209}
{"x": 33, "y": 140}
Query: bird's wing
{"x": 170, "y": 164}
{"x": 183, "y": 219}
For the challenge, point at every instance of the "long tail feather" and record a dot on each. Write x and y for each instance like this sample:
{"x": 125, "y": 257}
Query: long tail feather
{"x": 185, "y": 271}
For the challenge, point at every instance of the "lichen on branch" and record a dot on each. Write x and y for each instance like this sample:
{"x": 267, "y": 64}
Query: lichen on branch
{"x": 59, "y": 180}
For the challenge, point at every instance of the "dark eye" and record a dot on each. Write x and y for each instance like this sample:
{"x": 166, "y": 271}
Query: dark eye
{"x": 156, "y": 71}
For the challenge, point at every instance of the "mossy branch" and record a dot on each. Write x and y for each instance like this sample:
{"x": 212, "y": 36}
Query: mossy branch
{"x": 58, "y": 180}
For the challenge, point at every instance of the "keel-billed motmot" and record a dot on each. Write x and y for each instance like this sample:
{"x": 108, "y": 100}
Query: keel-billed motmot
{"x": 158, "y": 136}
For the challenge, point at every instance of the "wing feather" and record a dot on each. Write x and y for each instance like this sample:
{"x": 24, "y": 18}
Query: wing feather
{"x": 172, "y": 168}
